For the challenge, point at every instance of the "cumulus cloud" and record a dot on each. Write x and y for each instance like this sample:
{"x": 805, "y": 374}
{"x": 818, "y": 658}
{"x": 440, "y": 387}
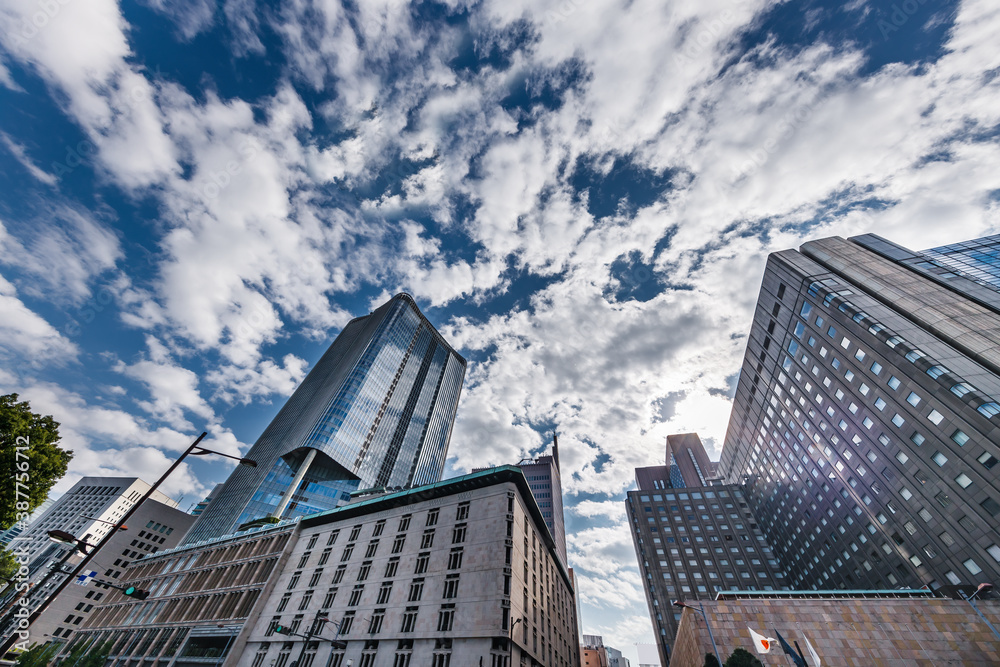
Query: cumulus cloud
{"x": 25, "y": 336}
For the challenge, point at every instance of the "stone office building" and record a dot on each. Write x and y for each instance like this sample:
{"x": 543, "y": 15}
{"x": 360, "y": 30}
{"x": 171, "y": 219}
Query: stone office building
{"x": 444, "y": 574}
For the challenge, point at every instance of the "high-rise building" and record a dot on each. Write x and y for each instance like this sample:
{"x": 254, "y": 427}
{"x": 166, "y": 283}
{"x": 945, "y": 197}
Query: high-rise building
{"x": 977, "y": 260}
{"x": 8, "y": 535}
{"x": 694, "y": 536}
{"x": 376, "y": 411}
{"x": 866, "y": 424}
{"x": 546, "y": 484}
{"x": 88, "y": 511}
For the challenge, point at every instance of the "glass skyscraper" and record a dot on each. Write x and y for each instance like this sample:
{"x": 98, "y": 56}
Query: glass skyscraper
{"x": 978, "y": 259}
{"x": 376, "y": 410}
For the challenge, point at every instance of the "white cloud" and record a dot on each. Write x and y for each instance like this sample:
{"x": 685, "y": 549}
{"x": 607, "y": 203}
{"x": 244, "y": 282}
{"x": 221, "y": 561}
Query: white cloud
{"x": 25, "y": 336}
{"x": 20, "y": 153}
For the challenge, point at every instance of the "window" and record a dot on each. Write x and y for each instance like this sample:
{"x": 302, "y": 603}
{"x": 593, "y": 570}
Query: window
{"x": 905, "y": 492}
{"x": 416, "y": 590}
{"x": 397, "y": 543}
{"x": 379, "y": 527}
{"x": 451, "y": 586}
{"x": 876, "y": 368}
{"x": 458, "y": 534}
{"x": 372, "y": 548}
{"x": 462, "y": 513}
{"x": 404, "y": 523}
{"x": 971, "y": 566}
{"x": 427, "y": 540}
{"x": 988, "y": 460}
{"x": 338, "y": 574}
{"x": 384, "y": 591}
{"x": 898, "y": 420}
{"x": 901, "y": 457}
{"x": 432, "y": 517}
{"x": 963, "y": 480}
{"x": 446, "y": 618}
{"x": 348, "y": 552}
{"x": 364, "y": 571}
{"x": 913, "y": 399}
{"x": 960, "y": 389}
{"x": 879, "y": 404}
{"x": 989, "y": 409}
{"x": 939, "y": 458}
{"x": 960, "y": 437}
{"x": 333, "y": 538}
{"x": 893, "y": 382}
{"x": 356, "y": 595}
{"x": 455, "y": 559}
{"x": 991, "y": 506}
{"x": 409, "y": 619}
{"x": 860, "y": 355}
{"x": 935, "y": 417}
{"x": 422, "y": 560}
{"x": 391, "y": 567}
{"x": 354, "y": 533}
{"x": 375, "y": 624}
{"x": 331, "y": 595}
{"x": 346, "y": 622}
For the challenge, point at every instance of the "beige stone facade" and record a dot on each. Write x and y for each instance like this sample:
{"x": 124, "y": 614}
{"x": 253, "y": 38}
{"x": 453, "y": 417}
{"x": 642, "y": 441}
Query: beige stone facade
{"x": 869, "y": 632}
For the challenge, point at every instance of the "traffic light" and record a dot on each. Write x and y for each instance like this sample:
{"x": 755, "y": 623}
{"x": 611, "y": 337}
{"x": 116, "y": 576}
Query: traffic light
{"x": 282, "y": 630}
{"x": 137, "y": 593}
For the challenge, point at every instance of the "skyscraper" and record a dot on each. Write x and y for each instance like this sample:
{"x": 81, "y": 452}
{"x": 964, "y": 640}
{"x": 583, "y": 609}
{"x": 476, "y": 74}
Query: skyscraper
{"x": 977, "y": 260}
{"x": 694, "y": 536}
{"x": 376, "y": 410}
{"x": 866, "y": 423}
{"x": 543, "y": 477}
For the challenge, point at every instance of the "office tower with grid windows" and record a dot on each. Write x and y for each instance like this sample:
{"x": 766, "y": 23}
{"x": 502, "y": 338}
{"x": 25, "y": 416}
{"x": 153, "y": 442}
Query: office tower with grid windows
{"x": 376, "y": 411}
{"x": 978, "y": 260}
{"x": 866, "y": 424}
{"x": 694, "y": 536}
{"x": 543, "y": 477}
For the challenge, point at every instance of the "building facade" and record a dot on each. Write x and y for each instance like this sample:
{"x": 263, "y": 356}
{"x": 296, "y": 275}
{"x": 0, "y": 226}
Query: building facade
{"x": 376, "y": 411}
{"x": 444, "y": 574}
{"x": 694, "y": 541}
{"x": 978, "y": 259}
{"x": 866, "y": 424}
{"x": 545, "y": 481}
{"x": 846, "y": 628}
{"x": 88, "y": 511}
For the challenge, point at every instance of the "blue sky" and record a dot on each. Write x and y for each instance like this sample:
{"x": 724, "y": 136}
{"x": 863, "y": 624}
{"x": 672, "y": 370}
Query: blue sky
{"x": 195, "y": 197}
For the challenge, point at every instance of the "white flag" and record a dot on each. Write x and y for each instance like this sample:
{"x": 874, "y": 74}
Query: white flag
{"x": 812, "y": 653}
{"x": 760, "y": 642}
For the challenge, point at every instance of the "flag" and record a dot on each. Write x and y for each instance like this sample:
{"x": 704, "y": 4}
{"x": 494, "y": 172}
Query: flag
{"x": 84, "y": 578}
{"x": 761, "y": 643}
{"x": 796, "y": 658}
{"x": 813, "y": 655}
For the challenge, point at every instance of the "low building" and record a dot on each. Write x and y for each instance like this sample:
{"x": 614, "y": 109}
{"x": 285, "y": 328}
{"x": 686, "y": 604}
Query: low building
{"x": 845, "y": 628}
{"x": 448, "y": 573}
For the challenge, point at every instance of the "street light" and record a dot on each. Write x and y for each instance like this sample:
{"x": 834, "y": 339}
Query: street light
{"x": 62, "y": 537}
{"x": 982, "y": 588}
{"x": 510, "y": 639}
{"x": 12, "y": 639}
{"x": 700, "y": 610}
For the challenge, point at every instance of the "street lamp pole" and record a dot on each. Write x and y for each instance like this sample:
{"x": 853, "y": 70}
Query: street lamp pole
{"x": 983, "y": 588}
{"x": 510, "y": 639}
{"x": 24, "y": 634}
{"x": 701, "y": 610}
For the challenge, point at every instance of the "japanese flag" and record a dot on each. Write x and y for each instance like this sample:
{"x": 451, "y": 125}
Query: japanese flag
{"x": 761, "y": 643}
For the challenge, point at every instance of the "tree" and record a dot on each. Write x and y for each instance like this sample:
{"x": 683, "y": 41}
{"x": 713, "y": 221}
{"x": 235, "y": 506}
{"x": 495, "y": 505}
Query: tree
{"x": 38, "y": 655}
{"x": 85, "y": 654}
{"x": 711, "y": 660}
{"x": 743, "y": 658}
{"x": 27, "y": 474}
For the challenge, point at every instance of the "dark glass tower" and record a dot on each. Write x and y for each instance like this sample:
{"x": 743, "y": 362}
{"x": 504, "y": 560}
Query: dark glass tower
{"x": 866, "y": 423}
{"x": 977, "y": 260}
{"x": 376, "y": 410}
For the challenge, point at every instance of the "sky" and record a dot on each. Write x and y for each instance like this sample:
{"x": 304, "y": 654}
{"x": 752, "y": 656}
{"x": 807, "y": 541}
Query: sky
{"x": 581, "y": 194}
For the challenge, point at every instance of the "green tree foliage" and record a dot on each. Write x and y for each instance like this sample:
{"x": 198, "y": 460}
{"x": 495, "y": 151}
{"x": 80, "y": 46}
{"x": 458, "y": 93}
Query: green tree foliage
{"x": 743, "y": 658}
{"x": 711, "y": 660}
{"x": 8, "y": 565}
{"x": 85, "y": 654}
{"x": 39, "y": 655}
{"x": 41, "y": 464}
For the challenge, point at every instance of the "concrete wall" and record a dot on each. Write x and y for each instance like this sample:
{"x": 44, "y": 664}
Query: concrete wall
{"x": 848, "y": 632}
